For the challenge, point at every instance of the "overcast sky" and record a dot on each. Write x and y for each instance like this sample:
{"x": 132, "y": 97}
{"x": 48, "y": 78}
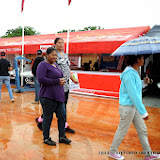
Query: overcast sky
{"x": 51, "y": 16}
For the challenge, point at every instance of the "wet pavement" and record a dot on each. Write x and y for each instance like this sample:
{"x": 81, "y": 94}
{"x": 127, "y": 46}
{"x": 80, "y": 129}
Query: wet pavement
{"x": 94, "y": 119}
{"x": 152, "y": 100}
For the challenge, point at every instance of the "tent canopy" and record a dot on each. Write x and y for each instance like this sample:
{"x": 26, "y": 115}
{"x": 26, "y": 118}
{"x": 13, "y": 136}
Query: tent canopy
{"x": 154, "y": 31}
{"x": 94, "y": 41}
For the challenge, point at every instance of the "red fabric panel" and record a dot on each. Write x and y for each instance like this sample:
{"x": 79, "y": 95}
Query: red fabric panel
{"x": 99, "y": 82}
{"x": 94, "y": 47}
{"x": 11, "y": 49}
{"x": 99, "y": 85}
{"x": 31, "y": 49}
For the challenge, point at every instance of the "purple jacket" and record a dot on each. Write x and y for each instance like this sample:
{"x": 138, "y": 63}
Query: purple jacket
{"x": 48, "y": 76}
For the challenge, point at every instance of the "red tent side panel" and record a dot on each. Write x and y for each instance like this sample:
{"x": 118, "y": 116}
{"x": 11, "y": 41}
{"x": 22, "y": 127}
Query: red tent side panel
{"x": 11, "y": 49}
{"x": 74, "y": 48}
{"x": 94, "y": 47}
{"x": 32, "y": 49}
{"x": 28, "y": 49}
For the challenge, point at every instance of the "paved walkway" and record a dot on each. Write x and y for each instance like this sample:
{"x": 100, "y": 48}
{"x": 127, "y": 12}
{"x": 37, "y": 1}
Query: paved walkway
{"x": 95, "y": 121}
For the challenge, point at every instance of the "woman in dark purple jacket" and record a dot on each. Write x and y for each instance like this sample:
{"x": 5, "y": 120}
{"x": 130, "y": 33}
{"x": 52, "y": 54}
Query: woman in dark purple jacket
{"x": 52, "y": 96}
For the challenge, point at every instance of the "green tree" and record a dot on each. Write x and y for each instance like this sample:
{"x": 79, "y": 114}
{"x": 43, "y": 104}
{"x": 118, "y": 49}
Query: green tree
{"x": 18, "y": 32}
{"x": 63, "y": 31}
{"x": 85, "y": 29}
{"x": 92, "y": 28}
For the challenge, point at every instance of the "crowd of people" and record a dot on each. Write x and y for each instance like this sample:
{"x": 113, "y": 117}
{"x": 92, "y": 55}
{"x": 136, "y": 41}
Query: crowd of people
{"x": 51, "y": 77}
{"x": 87, "y": 66}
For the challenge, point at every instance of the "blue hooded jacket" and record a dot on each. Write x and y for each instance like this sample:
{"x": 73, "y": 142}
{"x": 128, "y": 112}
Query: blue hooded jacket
{"x": 131, "y": 90}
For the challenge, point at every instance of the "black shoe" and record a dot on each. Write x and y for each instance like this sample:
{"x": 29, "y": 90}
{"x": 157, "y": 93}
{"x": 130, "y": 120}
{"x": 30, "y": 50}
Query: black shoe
{"x": 64, "y": 140}
{"x": 39, "y": 125}
{"x": 69, "y": 130}
{"x": 49, "y": 142}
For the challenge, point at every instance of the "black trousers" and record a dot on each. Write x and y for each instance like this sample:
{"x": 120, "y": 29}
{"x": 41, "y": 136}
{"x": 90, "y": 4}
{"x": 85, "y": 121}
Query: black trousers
{"x": 65, "y": 105}
{"x": 49, "y": 107}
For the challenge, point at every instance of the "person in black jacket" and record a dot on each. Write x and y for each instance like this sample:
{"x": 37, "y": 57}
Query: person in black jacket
{"x": 5, "y": 66}
{"x": 36, "y": 62}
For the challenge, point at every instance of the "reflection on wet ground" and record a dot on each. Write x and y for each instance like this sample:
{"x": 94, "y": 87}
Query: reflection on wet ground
{"x": 95, "y": 121}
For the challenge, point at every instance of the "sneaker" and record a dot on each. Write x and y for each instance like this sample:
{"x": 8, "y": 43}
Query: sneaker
{"x": 69, "y": 130}
{"x": 12, "y": 100}
{"x": 49, "y": 142}
{"x": 153, "y": 156}
{"x": 39, "y": 125}
{"x": 116, "y": 156}
{"x": 64, "y": 140}
{"x": 35, "y": 102}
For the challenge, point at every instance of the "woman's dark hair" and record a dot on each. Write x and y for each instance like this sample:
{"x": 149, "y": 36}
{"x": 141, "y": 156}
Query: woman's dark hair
{"x": 57, "y": 39}
{"x": 50, "y": 50}
{"x": 132, "y": 59}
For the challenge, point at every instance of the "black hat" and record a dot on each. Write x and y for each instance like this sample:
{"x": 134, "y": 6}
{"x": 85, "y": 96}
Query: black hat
{"x": 3, "y": 54}
{"x": 39, "y": 52}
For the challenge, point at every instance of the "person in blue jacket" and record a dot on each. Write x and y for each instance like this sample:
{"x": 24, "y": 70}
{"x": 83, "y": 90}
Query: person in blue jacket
{"x": 132, "y": 109}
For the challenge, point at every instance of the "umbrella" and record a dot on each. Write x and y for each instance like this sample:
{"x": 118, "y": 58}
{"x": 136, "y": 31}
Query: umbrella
{"x": 137, "y": 46}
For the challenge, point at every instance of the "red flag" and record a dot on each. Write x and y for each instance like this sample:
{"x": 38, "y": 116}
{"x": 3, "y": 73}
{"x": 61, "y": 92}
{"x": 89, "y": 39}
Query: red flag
{"x": 22, "y": 5}
{"x": 69, "y": 1}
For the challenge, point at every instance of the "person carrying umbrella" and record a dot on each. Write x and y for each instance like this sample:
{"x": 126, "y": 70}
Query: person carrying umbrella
{"x": 132, "y": 109}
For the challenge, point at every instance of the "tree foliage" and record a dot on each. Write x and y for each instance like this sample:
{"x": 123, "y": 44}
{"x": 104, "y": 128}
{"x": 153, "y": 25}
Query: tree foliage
{"x": 18, "y": 32}
{"x": 85, "y": 29}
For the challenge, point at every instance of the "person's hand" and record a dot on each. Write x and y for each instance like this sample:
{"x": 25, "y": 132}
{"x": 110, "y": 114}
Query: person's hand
{"x": 146, "y": 118}
{"x": 146, "y": 80}
{"x": 61, "y": 81}
{"x": 76, "y": 81}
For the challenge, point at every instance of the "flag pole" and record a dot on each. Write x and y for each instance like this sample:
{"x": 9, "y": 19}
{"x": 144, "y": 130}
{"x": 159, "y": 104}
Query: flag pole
{"x": 22, "y": 10}
{"x": 67, "y": 47}
{"x": 22, "y": 49}
{"x": 68, "y": 30}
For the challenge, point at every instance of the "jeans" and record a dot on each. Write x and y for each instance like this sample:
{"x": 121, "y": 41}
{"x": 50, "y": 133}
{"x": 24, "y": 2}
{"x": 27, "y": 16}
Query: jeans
{"x": 49, "y": 107}
{"x": 37, "y": 88}
{"x": 6, "y": 81}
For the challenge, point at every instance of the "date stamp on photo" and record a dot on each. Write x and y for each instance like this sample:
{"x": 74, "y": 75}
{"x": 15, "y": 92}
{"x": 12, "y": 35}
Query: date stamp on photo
{"x": 129, "y": 152}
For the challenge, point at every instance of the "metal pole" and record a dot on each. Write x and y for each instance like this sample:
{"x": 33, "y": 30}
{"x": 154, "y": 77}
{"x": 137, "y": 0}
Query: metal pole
{"x": 21, "y": 74}
{"x": 67, "y": 47}
{"x": 68, "y": 30}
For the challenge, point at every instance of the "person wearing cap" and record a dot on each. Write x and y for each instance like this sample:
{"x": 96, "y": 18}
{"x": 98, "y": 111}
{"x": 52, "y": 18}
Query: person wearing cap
{"x": 5, "y": 66}
{"x": 36, "y": 62}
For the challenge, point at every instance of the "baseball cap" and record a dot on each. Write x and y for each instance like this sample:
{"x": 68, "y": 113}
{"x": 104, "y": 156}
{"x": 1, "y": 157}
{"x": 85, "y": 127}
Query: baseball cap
{"x": 3, "y": 54}
{"x": 39, "y": 52}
